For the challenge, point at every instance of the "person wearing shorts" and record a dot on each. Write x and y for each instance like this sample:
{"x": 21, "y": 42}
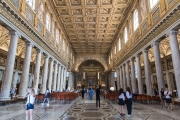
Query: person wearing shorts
{"x": 168, "y": 94}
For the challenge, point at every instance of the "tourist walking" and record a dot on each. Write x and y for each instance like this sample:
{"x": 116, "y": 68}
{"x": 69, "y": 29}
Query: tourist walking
{"x": 82, "y": 93}
{"x": 91, "y": 93}
{"x": 97, "y": 96}
{"x": 30, "y": 103}
{"x": 12, "y": 92}
{"x": 129, "y": 101}
{"x": 168, "y": 94}
{"x": 121, "y": 101}
{"x": 163, "y": 98}
{"x": 47, "y": 97}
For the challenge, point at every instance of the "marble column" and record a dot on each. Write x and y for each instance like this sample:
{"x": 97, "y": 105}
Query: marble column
{"x": 50, "y": 73}
{"x": 25, "y": 72}
{"x": 64, "y": 85}
{"x": 121, "y": 77}
{"x": 175, "y": 57}
{"x": 139, "y": 75}
{"x": 15, "y": 77}
{"x": 59, "y": 78}
{"x": 45, "y": 74}
{"x": 70, "y": 80}
{"x": 127, "y": 74}
{"x": 158, "y": 65}
{"x": 37, "y": 70}
{"x": 55, "y": 76}
{"x": 124, "y": 78}
{"x": 8, "y": 73}
{"x": 31, "y": 76}
{"x": 169, "y": 83}
{"x": 118, "y": 79}
{"x": 62, "y": 75}
{"x": 147, "y": 73}
{"x": 133, "y": 78}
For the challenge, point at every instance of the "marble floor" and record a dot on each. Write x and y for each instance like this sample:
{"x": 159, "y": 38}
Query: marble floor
{"x": 86, "y": 110}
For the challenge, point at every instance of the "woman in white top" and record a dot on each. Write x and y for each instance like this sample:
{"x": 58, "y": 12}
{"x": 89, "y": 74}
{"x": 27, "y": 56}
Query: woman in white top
{"x": 167, "y": 95}
{"x": 121, "y": 101}
{"x": 30, "y": 103}
{"x": 129, "y": 101}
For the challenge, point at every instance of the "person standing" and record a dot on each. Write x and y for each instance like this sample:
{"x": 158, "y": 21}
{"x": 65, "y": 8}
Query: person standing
{"x": 30, "y": 103}
{"x": 121, "y": 101}
{"x": 97, "y": 96}
{"x": 91, "y": 92}
{"x": 163, "y": 98}
{"x": 168, "y": 94}
{"x": 12, "y": 92}
{"x": 82, "y": 92}
{"x": 129, "y": 101}
{"x": 47, "y": 96}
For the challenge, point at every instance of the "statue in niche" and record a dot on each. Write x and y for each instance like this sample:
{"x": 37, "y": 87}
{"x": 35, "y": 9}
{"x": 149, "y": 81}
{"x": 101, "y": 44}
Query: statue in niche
{"x": 40, "y": 12}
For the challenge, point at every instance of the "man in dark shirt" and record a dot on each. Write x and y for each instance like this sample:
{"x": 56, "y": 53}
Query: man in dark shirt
{"x": 97, "y": 96}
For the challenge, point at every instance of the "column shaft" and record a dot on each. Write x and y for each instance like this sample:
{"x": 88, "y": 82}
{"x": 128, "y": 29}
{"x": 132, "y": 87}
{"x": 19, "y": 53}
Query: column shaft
{"x": 8, "y": 73}
{"x": 37, "y": 70}
{"x": 175, "y": 57}
{"x": 55, "y": 77}
{"x": 50, "y": 74}
{"x": 139, "y": 75}
{"x": 59, "y": 78}
{"x": 147, "y": 73}
{"x": 124, "y": 78}
{"x": 45, "y": 73}
{"x": 64, "y": 85}
{"x": 167, "y": 75}
{"x": 62, "y": 75}
{"x": 121, "y": 78}
{"x": 127, "y": 74}
{"x": 25, "y": 73}
{"x": 118, "y": 79}
{"x": 158, "y": 64}
{"x": 133, "y": 79}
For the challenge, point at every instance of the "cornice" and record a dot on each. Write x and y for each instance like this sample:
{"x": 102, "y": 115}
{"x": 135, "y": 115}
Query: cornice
{"x": 12, "y": 16}
{"x": 163, "y": 24}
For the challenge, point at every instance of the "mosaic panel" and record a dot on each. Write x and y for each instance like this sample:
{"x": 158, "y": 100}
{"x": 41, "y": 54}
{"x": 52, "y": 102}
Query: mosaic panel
{"x": 156, "y": 15}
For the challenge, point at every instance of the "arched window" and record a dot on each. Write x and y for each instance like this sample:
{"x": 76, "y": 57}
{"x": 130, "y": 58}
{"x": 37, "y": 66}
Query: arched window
{"x": 153, "y": 3}
{"x": 136, "y": 20}
{"x": 31, "y": 3}
{"x": 119, "y": 44}
{"x": 48, "y": 21}
{"x": 57, "y": 35}
{"x": 125, "y": 35}
{"x": 40, "y": 12}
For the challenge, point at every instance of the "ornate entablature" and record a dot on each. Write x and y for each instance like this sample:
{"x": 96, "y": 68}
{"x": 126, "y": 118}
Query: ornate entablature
{"x": 158, "y": 20}
{"x": 11, "y": 17}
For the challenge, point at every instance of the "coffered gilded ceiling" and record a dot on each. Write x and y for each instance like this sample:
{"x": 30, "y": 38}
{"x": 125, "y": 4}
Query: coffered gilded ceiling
{"x": 91, "y": 24}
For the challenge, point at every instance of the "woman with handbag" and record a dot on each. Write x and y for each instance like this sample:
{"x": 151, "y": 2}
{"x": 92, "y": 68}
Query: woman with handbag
{"x": 30, "y": 103}
{"x": 121, "y": 101}
{"x": 129, "y": 101}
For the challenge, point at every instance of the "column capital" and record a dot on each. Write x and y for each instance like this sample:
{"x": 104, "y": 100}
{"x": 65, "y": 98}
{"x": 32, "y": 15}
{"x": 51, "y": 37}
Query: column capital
{"x": 12, "y": 32}
{"x": 38, "y": 50}
{"x": 55, "y": 62}
{"x": 29, "y": 43}
{"x": 59, "y": 64}
{"x": 145, "y": 51}
{"x": 172, "y": 32}
{"x": 155, "y": 43}
{"x": 132, "y": 59}
{"x": 46, "y": 55}
{"x": 51, "y": 59}
{"x": 127, "y": 62}
{"x": 138, "y": 55}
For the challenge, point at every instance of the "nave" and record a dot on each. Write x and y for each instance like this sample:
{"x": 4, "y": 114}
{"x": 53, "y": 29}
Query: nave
{"x": 86, "y": 109}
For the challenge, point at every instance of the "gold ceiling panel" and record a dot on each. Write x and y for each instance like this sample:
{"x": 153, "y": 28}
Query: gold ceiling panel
{"x": 91, "y": 24}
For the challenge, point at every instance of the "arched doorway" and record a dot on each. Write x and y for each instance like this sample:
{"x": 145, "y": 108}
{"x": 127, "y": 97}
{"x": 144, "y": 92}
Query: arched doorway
{"x": 91, "y": 73}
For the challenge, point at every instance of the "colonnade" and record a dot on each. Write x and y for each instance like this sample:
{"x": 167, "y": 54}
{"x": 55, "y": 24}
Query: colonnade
{"x": 56, "y": 77}
{"x": 124, "y": 78}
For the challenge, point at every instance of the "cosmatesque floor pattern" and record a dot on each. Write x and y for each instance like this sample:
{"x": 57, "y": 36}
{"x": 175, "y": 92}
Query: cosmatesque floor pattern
{"x": 86, "y": 110}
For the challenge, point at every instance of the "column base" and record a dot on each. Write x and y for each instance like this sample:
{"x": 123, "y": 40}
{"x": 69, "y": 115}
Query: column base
{"x": 5, "y": 98}
{"x": 20, "y": 97}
